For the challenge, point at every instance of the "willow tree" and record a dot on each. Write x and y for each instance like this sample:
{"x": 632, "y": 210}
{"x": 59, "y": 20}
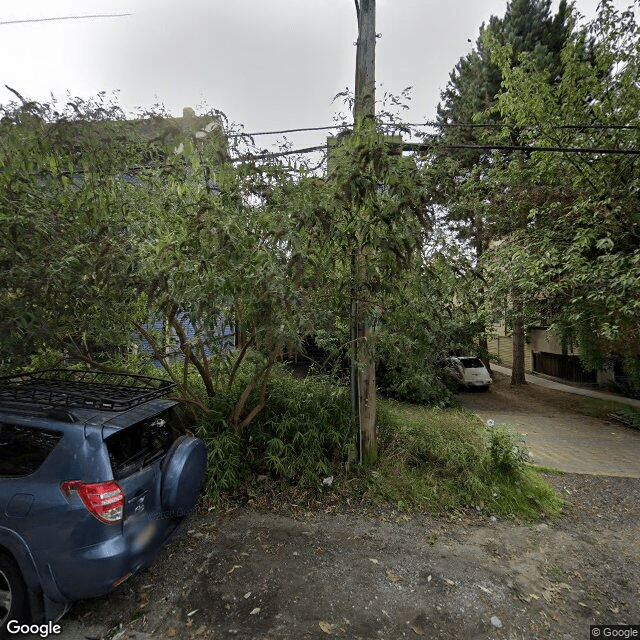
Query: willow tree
{"x": 124, "y": 233}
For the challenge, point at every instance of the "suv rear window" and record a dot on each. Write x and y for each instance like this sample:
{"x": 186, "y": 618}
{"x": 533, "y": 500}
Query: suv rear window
{"x": 137, "y": 446}
{"x": 24, "y": 449}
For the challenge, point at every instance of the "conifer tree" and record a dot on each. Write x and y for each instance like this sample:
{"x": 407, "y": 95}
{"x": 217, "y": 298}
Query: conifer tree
{"x": 527, "y": 26}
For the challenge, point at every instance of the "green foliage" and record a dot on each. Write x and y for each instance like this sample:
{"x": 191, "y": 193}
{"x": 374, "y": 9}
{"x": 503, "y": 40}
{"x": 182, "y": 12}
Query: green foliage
{"x": 226, "y": 465}
{"x": 140, "y": 246}
{"x": 430, "y": 459}
{"x": 473, "y": 209}
{"x": 407, "y": 368}
{"x": 574, "y": 253}
{"x": 432, "y": 313}
{"x": 442, "y": 460}
{"x": 304, "y": 435}
{"x": 527, "y": 26}
{"x": 507, "y": 454}
{"x": 306, "y": 432}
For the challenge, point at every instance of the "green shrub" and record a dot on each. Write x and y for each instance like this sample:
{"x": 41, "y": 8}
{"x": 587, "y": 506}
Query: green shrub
{"x": 418, "y": 387}
{"x": 304, "y": 434}
{"x": 429, "y": 459}
{"x": 507, "y": 454}
{"x": 226, "y": 467}
{"x": 405, "y": 367}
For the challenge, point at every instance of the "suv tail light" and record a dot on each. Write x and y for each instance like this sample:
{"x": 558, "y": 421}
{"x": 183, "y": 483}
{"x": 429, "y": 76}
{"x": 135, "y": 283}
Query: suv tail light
{"x": 104, "y": 500}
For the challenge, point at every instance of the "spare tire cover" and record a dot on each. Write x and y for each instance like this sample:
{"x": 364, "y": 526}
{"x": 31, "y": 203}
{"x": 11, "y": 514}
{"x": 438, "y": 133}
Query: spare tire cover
{"x": 182, "y": 475}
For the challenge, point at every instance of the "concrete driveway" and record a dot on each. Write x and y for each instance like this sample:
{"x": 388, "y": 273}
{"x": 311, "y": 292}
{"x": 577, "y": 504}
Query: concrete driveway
{"x": 548, "y": 417}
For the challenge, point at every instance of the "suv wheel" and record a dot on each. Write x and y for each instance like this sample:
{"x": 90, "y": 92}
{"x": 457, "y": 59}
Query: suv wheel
{"x": 13, "y": 595}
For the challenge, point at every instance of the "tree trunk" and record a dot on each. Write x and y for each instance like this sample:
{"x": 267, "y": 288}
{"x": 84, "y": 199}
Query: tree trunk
{"x": 479, "y": 241}
{"x": 484, "y": 352}
{"x": 367, "y": 396}
{"x": 517, "y": 372}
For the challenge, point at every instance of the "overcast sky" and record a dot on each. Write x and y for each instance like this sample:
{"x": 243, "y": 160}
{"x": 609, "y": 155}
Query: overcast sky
{"x": 269, "y": 64}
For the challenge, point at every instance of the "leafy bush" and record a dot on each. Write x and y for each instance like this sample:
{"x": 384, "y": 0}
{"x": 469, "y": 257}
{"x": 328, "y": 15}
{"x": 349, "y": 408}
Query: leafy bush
{"x": 430, "y": 459}
{"x": 419, "y": 387}
{"x": 226, "y": 467}
{"x": 405, "y": 370}
{"x": 303, "y": 435}
{"x": 507, "y": 454}
{"x": 306, "y": 431}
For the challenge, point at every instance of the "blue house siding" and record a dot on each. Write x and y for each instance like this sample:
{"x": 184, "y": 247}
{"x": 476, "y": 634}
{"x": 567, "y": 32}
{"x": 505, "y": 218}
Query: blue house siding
{"x": 223, "y": 339}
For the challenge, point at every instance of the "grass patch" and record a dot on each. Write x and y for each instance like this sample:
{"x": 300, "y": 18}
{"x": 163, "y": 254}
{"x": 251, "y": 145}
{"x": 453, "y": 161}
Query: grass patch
{"x": 437, "y": 460}
{"x": 602, "y": 408}
{"x": 429, "y": 459}
{"x": 538, "y": 468}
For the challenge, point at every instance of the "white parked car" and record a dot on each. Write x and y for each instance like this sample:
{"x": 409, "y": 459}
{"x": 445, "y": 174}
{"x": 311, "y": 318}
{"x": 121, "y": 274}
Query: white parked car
{"x": 470, "y": 372}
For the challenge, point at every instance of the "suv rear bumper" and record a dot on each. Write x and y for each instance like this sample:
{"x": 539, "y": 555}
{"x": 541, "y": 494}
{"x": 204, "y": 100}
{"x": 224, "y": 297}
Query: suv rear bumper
{"x": 95, "y": 570}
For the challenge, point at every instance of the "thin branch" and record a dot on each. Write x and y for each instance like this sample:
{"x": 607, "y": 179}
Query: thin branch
{"x": 187, "y": 351}
{"x": 238, "y": 361}
{"x": 88, "y": 359}
{"x": 15, "y": 93}
{"x": 263, "y": 399}
{"x": 187, "y": 394}
{"x": 158, "y": 354}
{"x": 237, "y": 410}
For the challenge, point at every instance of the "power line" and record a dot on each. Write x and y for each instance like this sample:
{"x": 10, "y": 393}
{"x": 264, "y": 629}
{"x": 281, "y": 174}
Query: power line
{"x": 422, "y": 146}
{"x": 278, "y": 154}
{"x": 96, "y": 15}
{"x": 269, "y": 133}
{"x": 489, "y": 125}
{"x": 469, "y": 125}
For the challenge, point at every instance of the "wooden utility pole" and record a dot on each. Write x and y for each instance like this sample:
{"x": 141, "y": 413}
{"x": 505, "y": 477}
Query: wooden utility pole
{"x": 365, "y": 93}
{"x": 363, "y": 370}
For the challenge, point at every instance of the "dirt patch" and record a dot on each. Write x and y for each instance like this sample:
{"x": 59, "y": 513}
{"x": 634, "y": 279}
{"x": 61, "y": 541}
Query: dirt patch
{"x": 291, "y": 575}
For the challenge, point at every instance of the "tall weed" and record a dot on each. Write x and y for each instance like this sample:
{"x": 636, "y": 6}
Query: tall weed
{"x": 430, "y": 459}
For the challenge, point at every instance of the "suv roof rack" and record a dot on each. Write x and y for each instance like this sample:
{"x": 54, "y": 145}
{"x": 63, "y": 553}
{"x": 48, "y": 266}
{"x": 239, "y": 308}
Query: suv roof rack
{"x": 87, "y": 389}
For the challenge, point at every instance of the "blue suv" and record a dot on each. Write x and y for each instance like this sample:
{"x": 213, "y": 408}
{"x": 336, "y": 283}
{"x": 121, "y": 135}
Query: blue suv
{"x": 97, "y": 472}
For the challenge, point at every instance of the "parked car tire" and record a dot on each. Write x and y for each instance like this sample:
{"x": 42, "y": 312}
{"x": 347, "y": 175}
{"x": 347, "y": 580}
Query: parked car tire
{"x": 14, "y": 599}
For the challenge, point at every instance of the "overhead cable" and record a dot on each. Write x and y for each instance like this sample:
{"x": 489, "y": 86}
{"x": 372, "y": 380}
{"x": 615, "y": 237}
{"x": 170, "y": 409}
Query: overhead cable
{"x": 422, "y": 146}
{"x": 96, "y": 15}
{"x": 469, "y": 125}
{"x": 270, "y": 133}
{"x": 278, "y": 154}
